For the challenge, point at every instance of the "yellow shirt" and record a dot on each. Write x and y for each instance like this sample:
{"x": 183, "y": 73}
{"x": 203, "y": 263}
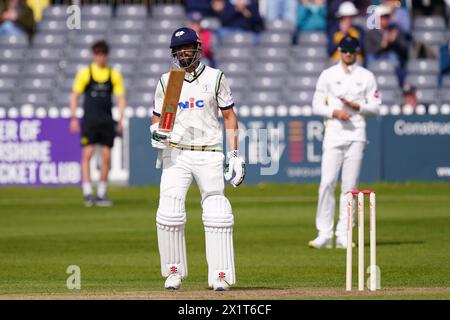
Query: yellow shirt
{"x": 99, "y": 75}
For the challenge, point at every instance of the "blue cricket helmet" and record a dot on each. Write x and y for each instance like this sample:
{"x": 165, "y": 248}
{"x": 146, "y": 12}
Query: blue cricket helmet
{"x": 183, "y": 36}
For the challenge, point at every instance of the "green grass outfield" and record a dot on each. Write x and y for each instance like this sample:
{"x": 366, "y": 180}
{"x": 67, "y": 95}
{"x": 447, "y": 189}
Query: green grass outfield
{"x": 43, "y": 231}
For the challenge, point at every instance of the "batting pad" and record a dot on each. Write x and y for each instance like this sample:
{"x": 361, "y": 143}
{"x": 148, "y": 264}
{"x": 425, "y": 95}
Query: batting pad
{"x": 220, "y": 254}
{"x": 218, "y": 220}
{"x": 170, "y": 221}
{"x": 172, "y": 250}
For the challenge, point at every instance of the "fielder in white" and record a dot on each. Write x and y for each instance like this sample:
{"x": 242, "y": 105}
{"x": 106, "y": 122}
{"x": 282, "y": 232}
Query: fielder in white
{"x": 344, "y": 93}
{"x": 193, "y": 150}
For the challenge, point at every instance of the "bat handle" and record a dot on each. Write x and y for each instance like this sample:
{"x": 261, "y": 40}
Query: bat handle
{"x": 159, "y": 160}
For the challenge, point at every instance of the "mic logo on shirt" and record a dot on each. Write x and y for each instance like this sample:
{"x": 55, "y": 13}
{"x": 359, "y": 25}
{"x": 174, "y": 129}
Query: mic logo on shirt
{"x": 191, "y": 104}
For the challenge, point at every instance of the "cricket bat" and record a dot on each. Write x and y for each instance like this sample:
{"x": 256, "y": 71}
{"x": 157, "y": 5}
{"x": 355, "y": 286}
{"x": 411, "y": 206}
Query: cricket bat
{"x": 170, "y": 105}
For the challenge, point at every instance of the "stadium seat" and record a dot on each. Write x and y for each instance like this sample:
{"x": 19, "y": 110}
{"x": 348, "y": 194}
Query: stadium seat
{"x": 125, "y": 41}
{"x": 12, "y": 55}
{"x": 70, "y": 70}
{"x": 65, "y": 85}
{"x": 43, "y": 70}
{"x": 79, "y": 54}
{"x": 13, "y": 42}
{"x": 271, "y": 39}
{"x": 270, "y": 69}
{"x": 164, "y": 26}
{"x": 423, "y": 81}
{"x": 444, "y": 95}
{"x": 240, "y": 98}
{"x": 127, "y": 69}
{"x": 44, "y": 55}
{"x": 281, "y": 26}
{"x": 36, "y": 85}
{"x": 52, "y": 26}
{"x": 430, "y": 37}
{"x": 264, "y": 83}
{"x": 123, "y": 55}
{"x": 273, "y": 54}
{"x": 307, "y": 83}
{"x": 95, "y": 26}
{"x": 235, "y": 68}
{"x": 264, "y": 98}
{"x": 131, "y": 11}
{"x": 82, "y": 40}
{"x": 49, "y": 41}
{"x": 423, "y": 66}
{"x": 5, "y": 99}
{"x": 301, "y": 53}
{"x": 307, "y": 68}
{"x": 237, "y": 83}
{"x": 446, "y": 81}
{"x": 387, "y": 81}
{"x": 141, "y": 98}
{"x": 156, "y": 54}
{"x": 153, "y": 40}
{"x": 10, "y": 70}
{"x": 382, "y": 67}
{"x": 427, "y": 96}
{"x": 35, "y": 99}
{"x": 168, "y": 11}
{"x": 96, "y": 11}
{"x": 429, "y": 23}
{"x": 235, "y": 54}
{"x": 211, "y": 23}
{"x": 238, "y": 39}
{"x": 129, "y": 25}
{"x": 7, "y": 85}
{"x": 300, "y": 98}
{"x": 312, "y": 39}
{"x": 390, "y": 97}
{"x": 155, "y": 68}
{"x": 55, "y": 12}
{"x": 148, "y": 83}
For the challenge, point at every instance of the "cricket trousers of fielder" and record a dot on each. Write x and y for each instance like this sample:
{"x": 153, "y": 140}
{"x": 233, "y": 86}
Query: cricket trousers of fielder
{"x": 337, "y": 155}
{"x": 179, "y": 169}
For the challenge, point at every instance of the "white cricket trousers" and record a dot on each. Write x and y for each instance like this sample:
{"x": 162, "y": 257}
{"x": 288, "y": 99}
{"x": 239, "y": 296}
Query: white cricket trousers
{"x": 180, "y": 167}
{"x": 347, "y": 155}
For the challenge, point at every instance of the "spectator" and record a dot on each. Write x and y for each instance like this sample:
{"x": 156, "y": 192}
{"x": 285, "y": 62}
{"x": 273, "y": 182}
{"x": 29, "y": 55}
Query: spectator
{"x": 282, "y": 10}
{"x": 409, "y": 96}
{"x": 445, "y": 59}
{"x": 237, "y": 16}
{"x": 311, "y": 15}
{"x": 399, "y": 15}
{"x": 333, "y": 7}
{"x": 202, "y": 6}
{"x": 16, "y": 18}
{"x": 194, "y": 22}
{"x": 347, "y": 11}
{"x": 388, "y": 42}
{"x": 97, "y": 82}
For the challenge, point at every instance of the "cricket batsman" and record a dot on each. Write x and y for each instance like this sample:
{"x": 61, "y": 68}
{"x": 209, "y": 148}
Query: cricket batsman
{"x": 345, "y": 93}
{"x": 193, "y": 150}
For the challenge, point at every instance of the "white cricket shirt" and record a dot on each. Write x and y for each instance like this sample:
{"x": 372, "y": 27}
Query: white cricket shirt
{"x": 204, "y": 92}
{"x": 359, "y": 85}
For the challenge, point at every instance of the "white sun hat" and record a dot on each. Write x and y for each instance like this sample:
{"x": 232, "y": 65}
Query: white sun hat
{"x": 347, "y": 9}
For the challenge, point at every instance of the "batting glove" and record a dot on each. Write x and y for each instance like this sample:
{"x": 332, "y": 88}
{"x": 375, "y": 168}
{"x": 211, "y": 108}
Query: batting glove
{"x": 160, "y": 140}
{"x": 236, "y": 164}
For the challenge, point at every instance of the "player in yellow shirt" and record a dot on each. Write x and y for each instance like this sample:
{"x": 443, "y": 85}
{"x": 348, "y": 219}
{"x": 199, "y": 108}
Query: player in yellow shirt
{"x": 98, "y": 82}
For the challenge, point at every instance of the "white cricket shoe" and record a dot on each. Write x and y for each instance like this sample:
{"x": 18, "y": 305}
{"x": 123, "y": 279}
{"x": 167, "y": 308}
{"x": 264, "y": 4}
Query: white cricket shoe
{"x": 220, "y": 285}
{"x": 173, "y": 281}
{"x": 341, "y": 243}
{"x": 321, "y": 242}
